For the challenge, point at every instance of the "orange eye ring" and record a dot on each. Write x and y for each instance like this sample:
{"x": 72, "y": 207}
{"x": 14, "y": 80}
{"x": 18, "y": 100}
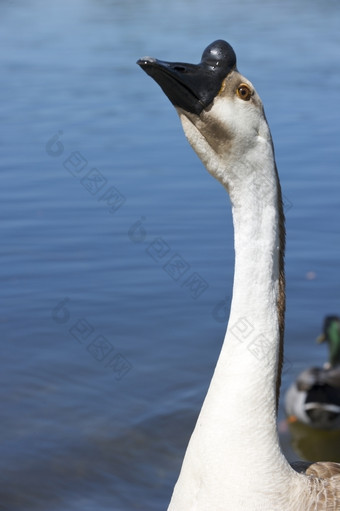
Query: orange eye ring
{"x": 243, "y": 91}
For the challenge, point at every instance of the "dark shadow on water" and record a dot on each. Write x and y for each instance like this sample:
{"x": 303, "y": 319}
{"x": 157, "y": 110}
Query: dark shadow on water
{"x": 313, "y": 444}
{"x": 99, "y": 472}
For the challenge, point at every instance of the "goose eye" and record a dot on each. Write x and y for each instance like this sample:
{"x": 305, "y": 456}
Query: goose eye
{"x": 244, "y": 92}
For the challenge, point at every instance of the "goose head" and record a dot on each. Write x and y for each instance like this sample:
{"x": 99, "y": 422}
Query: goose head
{"x": 221, "y": 113}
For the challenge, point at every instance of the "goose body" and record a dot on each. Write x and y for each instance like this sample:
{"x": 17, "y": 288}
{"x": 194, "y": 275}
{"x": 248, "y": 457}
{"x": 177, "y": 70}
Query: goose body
{"x": 314, "y": 397}
{"x": 233, "y": 461}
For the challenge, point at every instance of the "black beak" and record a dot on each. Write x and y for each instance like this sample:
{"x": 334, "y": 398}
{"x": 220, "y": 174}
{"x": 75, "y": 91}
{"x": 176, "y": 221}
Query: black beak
{"x": 193, "y": 86}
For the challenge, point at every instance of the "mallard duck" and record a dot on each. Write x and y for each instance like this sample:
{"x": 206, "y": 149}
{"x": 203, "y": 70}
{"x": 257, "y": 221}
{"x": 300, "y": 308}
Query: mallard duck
{"x": 314, "y": 398}
{"x": 233, "y": 461}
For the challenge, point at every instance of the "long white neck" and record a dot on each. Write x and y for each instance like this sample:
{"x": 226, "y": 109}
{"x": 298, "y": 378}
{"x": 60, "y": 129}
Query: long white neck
{"x": 234, "y": 449}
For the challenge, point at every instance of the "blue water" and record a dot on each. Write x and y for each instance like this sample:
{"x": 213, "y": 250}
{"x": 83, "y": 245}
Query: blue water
{"x": 108, "y": 347}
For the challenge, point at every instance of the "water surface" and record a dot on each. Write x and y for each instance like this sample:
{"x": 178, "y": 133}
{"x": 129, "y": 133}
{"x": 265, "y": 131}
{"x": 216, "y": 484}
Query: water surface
{"x": 107, "y": 350}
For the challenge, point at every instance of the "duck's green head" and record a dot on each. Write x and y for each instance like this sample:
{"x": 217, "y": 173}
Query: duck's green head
{"x": 331, "y": 334}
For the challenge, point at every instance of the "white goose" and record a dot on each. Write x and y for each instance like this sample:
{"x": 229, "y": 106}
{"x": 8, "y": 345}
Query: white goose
{"x": 233, "y": 461}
